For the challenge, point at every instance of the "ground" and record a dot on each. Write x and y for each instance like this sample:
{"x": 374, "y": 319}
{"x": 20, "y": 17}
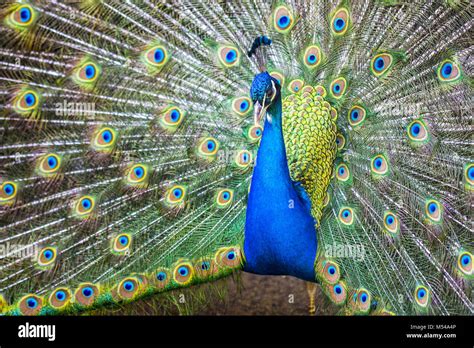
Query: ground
{"x": 243, "y": 294}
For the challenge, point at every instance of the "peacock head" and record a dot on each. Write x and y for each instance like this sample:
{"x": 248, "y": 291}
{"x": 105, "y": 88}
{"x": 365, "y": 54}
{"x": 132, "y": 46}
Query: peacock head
{"x": 264, "y": 92}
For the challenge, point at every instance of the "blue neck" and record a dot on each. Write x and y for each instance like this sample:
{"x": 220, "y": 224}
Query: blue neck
{"x": 280, "y": 237}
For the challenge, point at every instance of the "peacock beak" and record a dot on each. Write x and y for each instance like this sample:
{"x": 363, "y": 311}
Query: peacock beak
{"x": 258, "y": 112}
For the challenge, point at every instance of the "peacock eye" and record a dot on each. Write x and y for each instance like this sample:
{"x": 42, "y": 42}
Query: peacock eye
{"x": 8, "y": 191}
{"x": 161, "y": 276}
{"x": 229, "y": 56}
{"x": 449, "y": 71}
{"x": 224, "y": 198}
{"x": 270, "y": 93}
{"x": 137, "y": 175}
{"x": 183, "y": 273}
{"x": 363, "y": 300}
{"x": 60, "y": 298}
{"x": 340, "y": 22}
{"x": 121, "y": 243}
{"x": 87, "y": 73}
{"x": 84, "y": 206}
{"x": 32, "y": 303}
{"x": 46, "y": 257}
{"x": 422, "y": 295}
{"x": 87, "y": 292}
{"x": 128, "y": 286}
{"x": 283, "y": 19}
{"x": 104, "y": 139}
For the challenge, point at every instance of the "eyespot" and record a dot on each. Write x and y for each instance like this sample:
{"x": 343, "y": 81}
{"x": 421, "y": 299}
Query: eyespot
{"x": 331, "y": 273}
{"x": 22, "y": 17}
{"x": 241, "y": 106}
{"x": 243, "y": 159}
{"x": 161, "y": 278}
{"x": 207, "y": 148}
{"x": 337, "y": 292}
{"x": 104, "y": 139}
{"x": 340, "y": 141}
{"x": 342, "y": 172}
{"x": 279, "y": 77}
{"x": 312, "y": 57}
{"x": 156, "y": 57}
{"x": 418, "y": 132}
{"x": 30, "y": 304}
{"x": 86, "y": 73}
{"x": 363, "y": 300}
{"x": 229, "y": 257}
{"x": 465, "y": 263}
{"x": 46, "y": 257}
{"x": 121, "y": 243}
{"x": 469, "y": 176}
{"x": 433, "y": 210}
{"x": 175, "y": 195}
{"x": 346, "y": 216}
{"x": 60, "y": 298}
{"x": 205, "y": 268}
{"x": 381, "y": 63}
{"x": 338, "y": 87}
{"x": 8, "y": 192}
{"x": 204, "y": 265}
{"x": 26, "y": 101}
{"x": 283, "y": 19}
{"x": 295, "y": 85}
{"x": 391, "y": 223}
{"x": 128, "y": 288}
{"x": 254, "y": 133}
{"x": 86, "y": 294}
{"x": 224, "y": 198}
{"x": 84, "y": 206}
{"x": 229, "y": 56}
{"x": 183, "y": 273}
{"x": 422, "y": 295}
{"x": 340, "y": 22}
{"x": 320, "y": 90}
{"x": 449, "y": 71}
{"x": 137, "y": 175}
{"x": 171, "y": 118}
{"x": 379, "y": 166}
{"x": 29, "y": 100}
{"x": 49, "y": 164}
{"x": 356, "y": 115}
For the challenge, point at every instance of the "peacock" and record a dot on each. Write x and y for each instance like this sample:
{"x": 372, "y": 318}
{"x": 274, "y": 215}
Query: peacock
{"x": 153, "y": 145}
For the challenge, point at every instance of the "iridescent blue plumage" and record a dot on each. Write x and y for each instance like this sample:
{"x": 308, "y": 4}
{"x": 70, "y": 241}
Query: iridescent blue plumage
{"x": 280, "y": 237}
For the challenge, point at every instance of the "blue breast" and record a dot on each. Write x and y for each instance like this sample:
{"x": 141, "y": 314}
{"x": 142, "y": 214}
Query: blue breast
{"x": 280, "y": 237}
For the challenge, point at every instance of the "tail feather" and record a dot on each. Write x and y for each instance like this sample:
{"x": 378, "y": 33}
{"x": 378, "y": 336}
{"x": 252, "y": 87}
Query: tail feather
{"x": 127, "y": 145}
